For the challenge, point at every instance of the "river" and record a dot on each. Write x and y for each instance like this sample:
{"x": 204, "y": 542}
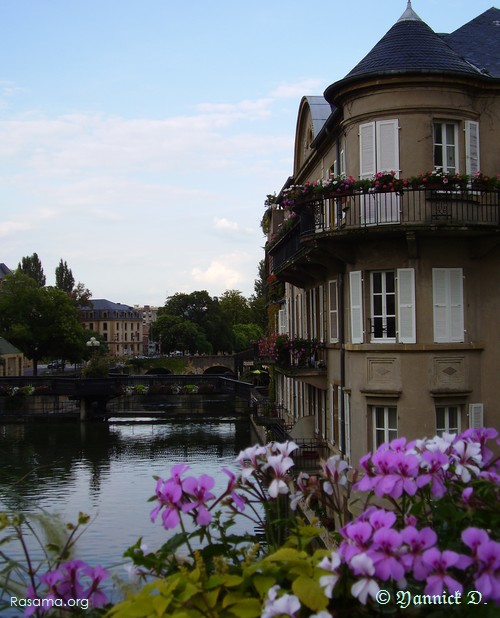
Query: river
{"x": 106, "y": 469}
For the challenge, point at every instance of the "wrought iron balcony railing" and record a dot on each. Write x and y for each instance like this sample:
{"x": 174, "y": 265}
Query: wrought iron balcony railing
{"x": 413, "y": 208}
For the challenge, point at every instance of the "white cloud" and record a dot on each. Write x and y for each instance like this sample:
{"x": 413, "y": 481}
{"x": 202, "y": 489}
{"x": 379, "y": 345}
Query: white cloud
{"x": 225, "y": 225}
{"x": 297, "y": 90}
{"x": 220, "y": 274}
{"x": 135, "y": 199}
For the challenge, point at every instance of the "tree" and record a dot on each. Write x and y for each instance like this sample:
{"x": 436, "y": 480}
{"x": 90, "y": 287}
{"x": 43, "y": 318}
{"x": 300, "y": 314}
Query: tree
{"x": 66, "y": 282}
{"x": 205, "y": 312}
{"x": 64, "y": 278}
{"x": 32, "y": 267}
{"x": 244, "y": 336}
{"x": 42, "y": 322}
{"x": 235, "y": 307}
{"x": 177, "y": 333}
{"x": 258, "y": 302}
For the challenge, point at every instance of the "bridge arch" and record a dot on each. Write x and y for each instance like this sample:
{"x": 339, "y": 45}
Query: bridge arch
{"x": 163, "y": 371}
{"x": 218, "y": 370}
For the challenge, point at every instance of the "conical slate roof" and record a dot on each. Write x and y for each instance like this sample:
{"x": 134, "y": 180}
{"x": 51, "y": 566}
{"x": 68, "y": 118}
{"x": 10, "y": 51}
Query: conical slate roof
{"x": 410, "y": 46}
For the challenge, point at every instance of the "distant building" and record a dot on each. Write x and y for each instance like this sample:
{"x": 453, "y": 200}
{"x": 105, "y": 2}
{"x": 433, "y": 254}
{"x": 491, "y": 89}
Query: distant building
{"x": 4, "y": 271}
{"x": 386, "y": 237}
{"x": 11, "y": 359}
{"x": 119, "y": 325}
{"x": 149, "y": 316}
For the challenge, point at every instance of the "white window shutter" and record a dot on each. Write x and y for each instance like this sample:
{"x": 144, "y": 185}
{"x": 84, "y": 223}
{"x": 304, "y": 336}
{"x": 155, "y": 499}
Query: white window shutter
{"x": 367, "y": 163}
{"x": 282, "y": 321}
{"x": 472, "y": 162}
{"x": 356, "y": 302}
{"x": 440, "y": 300}
{"x": 387, "y": 146}
{"x": 333, "y": 311}
{"x": 321, "y": 301}
{"x": 406, "y": 306}
{"x": 456, "y": 305}
{"x": 476, "y": 415}
{"x": 448, "y": 298}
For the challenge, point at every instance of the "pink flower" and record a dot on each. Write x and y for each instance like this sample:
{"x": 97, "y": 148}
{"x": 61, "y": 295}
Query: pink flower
{"x": 238, "y": 500}
{"x": 169, "y": 494}
{"x": 487, "y": 580}
{"x": 72, "y": 580}
{"x": 417, "y": 542}
{"x": 438, "y": 578}
{"x": 198, "y": 494}
{"x": 385, "y": 554}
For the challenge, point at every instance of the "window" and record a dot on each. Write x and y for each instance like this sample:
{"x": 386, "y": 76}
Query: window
{"x": 282, "y": 321}
{"x": 333, "y": 311}
{"x": 447, "y": 419}
{"x": 379, "y": 152}
{"x": 383, "y": 301}
{"x": 445, "y": 146}
{"x": 385, "y": 424}
{"x": 447, "y": 288}
{"x": 392, "y": 306}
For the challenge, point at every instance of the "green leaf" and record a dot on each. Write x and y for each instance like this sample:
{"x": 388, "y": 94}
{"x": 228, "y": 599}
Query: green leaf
{"x": 160, "y": 605}
{"x": 310, "y": 593}
{"x": 247, "y": 608}
{"x": 263, "y": 584}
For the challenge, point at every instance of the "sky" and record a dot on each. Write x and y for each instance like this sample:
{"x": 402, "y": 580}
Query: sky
{"x": 139, "y": 139}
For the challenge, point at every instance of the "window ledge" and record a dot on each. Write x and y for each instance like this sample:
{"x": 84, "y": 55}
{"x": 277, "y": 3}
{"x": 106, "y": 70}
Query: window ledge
{"x": 380, "y": 392}
{"x": 449, "y": 392}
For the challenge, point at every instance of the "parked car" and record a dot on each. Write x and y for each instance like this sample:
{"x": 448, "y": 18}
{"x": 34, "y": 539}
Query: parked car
{"x": 56, "y": 365}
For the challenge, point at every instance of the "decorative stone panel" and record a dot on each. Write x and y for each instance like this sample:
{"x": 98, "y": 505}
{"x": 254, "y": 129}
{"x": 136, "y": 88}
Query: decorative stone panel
{"x": 382, "y": 371}
{"x": 449, "y": 373}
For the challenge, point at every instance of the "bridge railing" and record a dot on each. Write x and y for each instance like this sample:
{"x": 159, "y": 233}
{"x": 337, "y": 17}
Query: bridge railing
{"x": 115, "y": 385}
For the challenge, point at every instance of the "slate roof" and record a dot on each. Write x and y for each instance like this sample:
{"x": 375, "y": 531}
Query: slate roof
{"x": 412, "y": 47}
{"x": 479, "y": 41}
{"x": 7, "y": 348}
{"x": 320, "y": 112}
{"x": 4, "y": 271}
{"x": 101, "y": 304}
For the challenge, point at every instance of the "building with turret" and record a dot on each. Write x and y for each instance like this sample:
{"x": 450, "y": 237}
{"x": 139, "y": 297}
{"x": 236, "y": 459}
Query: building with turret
{"x": 387, "y": 240}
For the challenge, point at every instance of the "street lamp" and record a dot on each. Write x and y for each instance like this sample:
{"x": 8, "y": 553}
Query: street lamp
{"x": 93, "y": 343}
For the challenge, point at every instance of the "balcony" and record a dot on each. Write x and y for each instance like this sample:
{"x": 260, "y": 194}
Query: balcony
{"x": 410, "y": 210}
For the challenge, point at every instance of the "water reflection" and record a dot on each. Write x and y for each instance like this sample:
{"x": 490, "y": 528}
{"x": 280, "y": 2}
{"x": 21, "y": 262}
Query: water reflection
{"x": 107, "y": 469}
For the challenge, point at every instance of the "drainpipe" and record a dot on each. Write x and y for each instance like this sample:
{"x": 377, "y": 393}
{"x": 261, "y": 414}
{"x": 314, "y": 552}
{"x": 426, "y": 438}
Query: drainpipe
{"x": 342, "y": 361}
{"x": 341, "y": 341}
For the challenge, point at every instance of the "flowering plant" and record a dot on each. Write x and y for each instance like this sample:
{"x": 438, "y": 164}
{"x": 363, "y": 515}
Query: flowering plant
{"x": 57, "y": 583}
{"x": 387, "y": 181}
{"x": 417, "y": 525}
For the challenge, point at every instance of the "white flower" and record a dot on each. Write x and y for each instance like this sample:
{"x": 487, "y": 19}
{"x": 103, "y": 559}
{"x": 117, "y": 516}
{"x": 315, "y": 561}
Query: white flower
{"x": 328, "y": 582}
{"x": 362, "y": 565}
{"x": 288, "y": 604}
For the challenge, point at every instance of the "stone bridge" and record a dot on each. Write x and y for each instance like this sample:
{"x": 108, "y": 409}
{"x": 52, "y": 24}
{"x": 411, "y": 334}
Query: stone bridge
{"x": 218, "y": 364}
